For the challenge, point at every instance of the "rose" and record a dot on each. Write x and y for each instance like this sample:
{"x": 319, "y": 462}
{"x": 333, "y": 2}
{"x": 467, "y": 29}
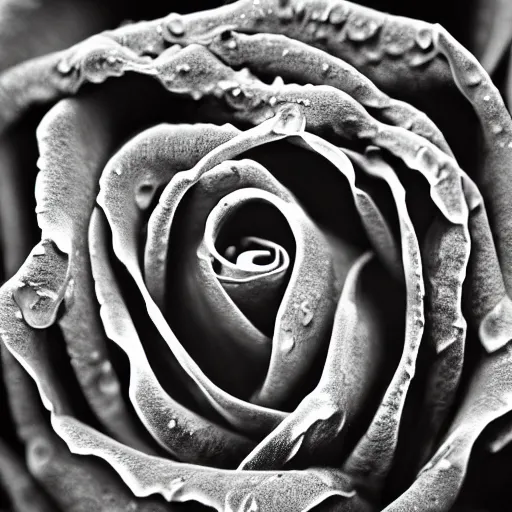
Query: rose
{"x": 302, "y": 452}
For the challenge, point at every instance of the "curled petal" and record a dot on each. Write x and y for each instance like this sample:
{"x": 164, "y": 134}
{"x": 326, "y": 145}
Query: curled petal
{"x": 354, "y": 352}
{"x": 299, "y": 330}
{"x": 72, "y": 155}
{"x": 246, "y": 417}
{"x": 222, "y": 490}
{"x": 477, "y": 87}
{"x": 296, "y": 62}
{"x": 372, "y": 457}
{"x": 186, "y": 435}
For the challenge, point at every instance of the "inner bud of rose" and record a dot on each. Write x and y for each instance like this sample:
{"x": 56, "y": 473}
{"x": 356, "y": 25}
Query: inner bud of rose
{"x": 253, "y": 270}
{"x": 253, "y": 254}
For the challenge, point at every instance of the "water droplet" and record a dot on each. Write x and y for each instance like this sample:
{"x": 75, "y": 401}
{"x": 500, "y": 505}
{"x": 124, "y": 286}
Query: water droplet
{"x": 39, "y": 453}
{"x": 183, "y": 68}
{"x": 118, "y": 171}
{"x": 107, "y": 382}
{"x": 288, "y": 341}
{"x": 38, "y": 306}
{"x": 112, "y": 59}
{"x": 338, "y": 15}
{"x": 95, "y": 355}
{"x": 177, "y": 481}
{"x": 175, "y": 25}
{"x": 487, "y": 97}
{"x": 290, "y": 120}
{"x": 496, "y": 129}
{"x": 325, "y": 67}
{"x": 240, "y": 99}
{"x": 362, "y": 29}
{"x": 473, "y": 79}
{"x": 296, "y": 444}
{"x": 65, "y": 67}
{"x": 278, "y": 81}
{"x": 227, "y": 39}
{"x": 144, "y": 195}
{"x": 38, "y": 250}
{"x": 172, "y": 424}
{"x": 250, "y": 504}
{"x": 196, "y": 94}
{"x": 424, "y": 38}
{"x": 307, "y": 313}
{"x": 444, "y": 464}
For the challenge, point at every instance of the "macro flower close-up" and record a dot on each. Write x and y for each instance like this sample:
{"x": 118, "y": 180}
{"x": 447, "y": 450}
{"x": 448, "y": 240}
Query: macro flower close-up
{"x": 256, "y": 256}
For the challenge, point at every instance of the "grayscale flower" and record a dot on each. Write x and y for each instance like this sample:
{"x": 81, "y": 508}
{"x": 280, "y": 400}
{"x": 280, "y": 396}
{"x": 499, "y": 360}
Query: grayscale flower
{"x": 273, "y": 267}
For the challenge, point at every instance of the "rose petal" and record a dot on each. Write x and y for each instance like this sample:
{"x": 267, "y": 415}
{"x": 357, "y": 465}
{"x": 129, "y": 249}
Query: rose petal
{"x": 487, "y": 398}
{"x": 299, "y": 331}
{"x": 218, "y": 336}
{"x": 316, "y": 424}
{"x": 71, "y": 159}
{"x": 327, "y": 110}
{"x": 395, "y": 52}
{"x": 477, "y": 87}
{"x": 185, "y": 434}
{"x": 372, "y": 457}
{"x": 445, "y": 261}
{"x": 294, "y": 61}
{"x": 71, "y": 482}
{"x": 222, "y": 490}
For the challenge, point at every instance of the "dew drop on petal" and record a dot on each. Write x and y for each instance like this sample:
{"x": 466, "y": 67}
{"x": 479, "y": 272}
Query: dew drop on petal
{"x": 362, "y": 29}
{"x": 144, "y": 195}
{"x": 183, "y": 68}
{"x": 473, "y": 79}
{"x": 38, "y": 306}
{"x": 497, "y": 129}
{"x": 338, "y": 15}
{"x": 175, "y": 25}
{"x": 424, "y": 38}
{"x": 107, "y": 382}
{"x": 288, "y": 341}
{"x": 250, "y": 504}
{"x": 296, "y": 444}
{"x": 172, "y": 424}
{"x": 290, "y": 120}
{"x": 444, "y": 464}
{"x": 307, "y": 313}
